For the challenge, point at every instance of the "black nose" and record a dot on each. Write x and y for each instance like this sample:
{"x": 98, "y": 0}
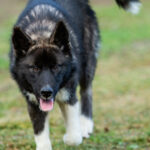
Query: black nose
{"x": 46, "y": 91}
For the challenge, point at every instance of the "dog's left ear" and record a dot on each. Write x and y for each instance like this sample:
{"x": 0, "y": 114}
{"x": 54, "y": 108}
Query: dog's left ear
{"x": 21, "y": 42}
{"x": 60, "y": 37}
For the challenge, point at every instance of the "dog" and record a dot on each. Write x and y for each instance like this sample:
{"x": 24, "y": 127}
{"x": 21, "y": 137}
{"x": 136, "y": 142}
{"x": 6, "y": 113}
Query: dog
{"x": 54, "y": 48}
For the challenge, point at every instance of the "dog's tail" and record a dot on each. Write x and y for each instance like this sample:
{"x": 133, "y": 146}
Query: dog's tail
{"x": 132, "y": 6}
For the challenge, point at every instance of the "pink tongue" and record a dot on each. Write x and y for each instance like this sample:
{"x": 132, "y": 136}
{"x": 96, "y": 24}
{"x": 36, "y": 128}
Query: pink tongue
{"x": 46, "y": 105}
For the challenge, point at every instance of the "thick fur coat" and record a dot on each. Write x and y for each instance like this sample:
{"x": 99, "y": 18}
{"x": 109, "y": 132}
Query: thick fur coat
{"x": 54, "y": 49}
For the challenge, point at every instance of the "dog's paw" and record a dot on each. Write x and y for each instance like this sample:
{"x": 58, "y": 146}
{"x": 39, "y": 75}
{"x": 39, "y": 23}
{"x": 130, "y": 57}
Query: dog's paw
{"x": 44, "y": 147}
{"x": 72, "y": 138}
{"x": 87, "y": 126}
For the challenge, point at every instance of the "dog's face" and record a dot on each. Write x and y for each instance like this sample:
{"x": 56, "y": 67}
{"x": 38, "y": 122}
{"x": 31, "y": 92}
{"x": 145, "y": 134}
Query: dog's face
{"x": 43, "y": 66}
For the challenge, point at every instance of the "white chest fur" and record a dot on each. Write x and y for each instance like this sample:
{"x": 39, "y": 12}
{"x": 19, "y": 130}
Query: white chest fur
{"x": 63, "y": 95}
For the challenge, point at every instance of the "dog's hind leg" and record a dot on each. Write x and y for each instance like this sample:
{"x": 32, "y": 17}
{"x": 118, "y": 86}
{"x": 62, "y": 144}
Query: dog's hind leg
{"x": 41, "y": 127}
{"x": 91, "y": 42}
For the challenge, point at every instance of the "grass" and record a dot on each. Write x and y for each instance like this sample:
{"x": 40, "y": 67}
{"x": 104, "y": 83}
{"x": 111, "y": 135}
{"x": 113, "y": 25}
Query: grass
{"x": 121, "y": 89}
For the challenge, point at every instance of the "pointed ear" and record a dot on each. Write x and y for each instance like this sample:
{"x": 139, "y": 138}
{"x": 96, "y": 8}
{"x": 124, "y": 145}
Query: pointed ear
{"x": 60, "y": 37}
{"x": 21, "y": 42}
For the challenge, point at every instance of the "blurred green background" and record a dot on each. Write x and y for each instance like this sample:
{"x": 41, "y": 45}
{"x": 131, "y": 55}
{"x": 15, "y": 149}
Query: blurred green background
{"x": 121, "y": 87}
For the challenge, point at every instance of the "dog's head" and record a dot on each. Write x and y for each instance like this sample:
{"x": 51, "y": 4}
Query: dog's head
{"x": 42, "y": 66}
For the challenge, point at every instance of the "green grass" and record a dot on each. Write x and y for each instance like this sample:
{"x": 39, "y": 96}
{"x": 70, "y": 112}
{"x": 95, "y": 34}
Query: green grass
{"x": 121, "y": 89}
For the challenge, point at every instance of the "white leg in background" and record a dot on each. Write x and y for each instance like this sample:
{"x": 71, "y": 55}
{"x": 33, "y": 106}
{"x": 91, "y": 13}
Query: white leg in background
{"x": 87, "y": 126}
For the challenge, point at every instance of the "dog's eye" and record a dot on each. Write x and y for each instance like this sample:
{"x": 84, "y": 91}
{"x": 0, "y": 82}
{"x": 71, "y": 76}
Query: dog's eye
{"x": 56, "y": 67}
{"x": 35, "y": 69}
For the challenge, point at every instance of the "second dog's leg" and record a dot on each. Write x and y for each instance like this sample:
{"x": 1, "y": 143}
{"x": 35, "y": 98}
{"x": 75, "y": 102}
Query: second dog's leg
{"x": 41, "y": 127}
{"x": 73, "y": 134}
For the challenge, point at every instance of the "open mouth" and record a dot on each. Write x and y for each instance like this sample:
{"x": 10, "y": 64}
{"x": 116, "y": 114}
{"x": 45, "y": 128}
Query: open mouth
{"x": 46, "y": 105}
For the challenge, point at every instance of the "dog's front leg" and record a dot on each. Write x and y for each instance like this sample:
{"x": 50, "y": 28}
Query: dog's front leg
{"x": 73, "y": 134}
{"x": 41, "y": 127}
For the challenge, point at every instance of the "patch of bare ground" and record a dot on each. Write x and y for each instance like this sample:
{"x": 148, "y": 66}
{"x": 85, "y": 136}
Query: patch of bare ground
{"x": 9, "y": 8}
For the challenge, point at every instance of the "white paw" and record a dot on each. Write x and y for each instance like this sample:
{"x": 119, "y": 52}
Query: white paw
{"x": 72, "y": 138}
{"x": 86, "y": 126}
{"x": 44, "y": 147}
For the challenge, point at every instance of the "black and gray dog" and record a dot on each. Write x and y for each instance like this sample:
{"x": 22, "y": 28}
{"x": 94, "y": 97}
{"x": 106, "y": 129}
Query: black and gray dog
{"x": 54, "y": 49}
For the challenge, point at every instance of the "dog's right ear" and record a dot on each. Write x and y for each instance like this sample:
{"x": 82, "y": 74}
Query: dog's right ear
{"x": 21, "y": 42}
{"x": 60, "y": 37}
